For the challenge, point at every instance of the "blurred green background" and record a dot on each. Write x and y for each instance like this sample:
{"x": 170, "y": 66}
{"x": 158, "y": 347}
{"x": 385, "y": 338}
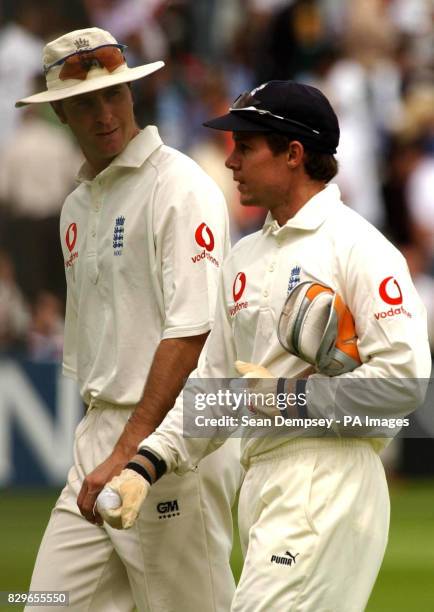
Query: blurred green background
{"x": 406, "y": 580}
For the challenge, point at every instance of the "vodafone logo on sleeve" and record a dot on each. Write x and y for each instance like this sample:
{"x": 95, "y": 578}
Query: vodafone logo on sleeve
{"x": 71, "y": 239}
{"x": 391, "y": 294}
{"x": 238, "y": 288}
{"x": 71, "y": 236}
{"x": 390, "y": 291}
{"x": 205, "y": 239}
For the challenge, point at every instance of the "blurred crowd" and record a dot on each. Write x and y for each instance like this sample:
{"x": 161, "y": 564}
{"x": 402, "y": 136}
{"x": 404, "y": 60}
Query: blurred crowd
{"x": 372, "y": 58}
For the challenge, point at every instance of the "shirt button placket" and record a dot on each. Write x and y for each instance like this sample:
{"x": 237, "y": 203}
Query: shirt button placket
{"x": 268, "y": 281}
{"x": 94, "y": 220}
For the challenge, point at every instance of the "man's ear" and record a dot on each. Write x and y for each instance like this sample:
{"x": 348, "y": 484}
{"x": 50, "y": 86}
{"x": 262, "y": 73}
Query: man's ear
{"x": 58, "y": 109}
{"x": 295, "y": 153}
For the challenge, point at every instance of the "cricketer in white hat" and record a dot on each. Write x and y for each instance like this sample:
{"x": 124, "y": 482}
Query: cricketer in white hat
{"x": 143, "y": 237}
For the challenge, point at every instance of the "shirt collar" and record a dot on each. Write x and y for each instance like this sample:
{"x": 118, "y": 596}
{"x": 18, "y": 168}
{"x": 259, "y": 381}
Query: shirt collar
{"x": 134, "y": 155}
{"x": 311, "y": 215}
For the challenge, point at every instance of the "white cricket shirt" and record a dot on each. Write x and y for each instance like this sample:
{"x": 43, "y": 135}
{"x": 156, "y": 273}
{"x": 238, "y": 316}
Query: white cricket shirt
{"x": 143, "y": 243}
{"x": 329, "y": 243}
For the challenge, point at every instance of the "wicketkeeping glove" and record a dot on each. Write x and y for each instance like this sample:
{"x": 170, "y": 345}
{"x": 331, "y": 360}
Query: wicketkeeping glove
{"x": 132, "y": 490}
{"x": 317, "y": 326}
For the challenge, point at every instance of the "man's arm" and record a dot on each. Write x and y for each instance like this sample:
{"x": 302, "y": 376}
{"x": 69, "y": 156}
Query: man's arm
{"x": 188, "y": 287}
{"x": 173, "y": 361}
{"x": 390, "y": 322}
{"x": 167, "y": 450}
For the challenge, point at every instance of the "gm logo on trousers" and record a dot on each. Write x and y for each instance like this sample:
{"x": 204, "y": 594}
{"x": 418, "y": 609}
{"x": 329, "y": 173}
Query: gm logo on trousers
{"x": 168, "y": 509}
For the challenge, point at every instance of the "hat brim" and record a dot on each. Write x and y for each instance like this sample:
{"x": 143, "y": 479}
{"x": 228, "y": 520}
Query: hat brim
{"x": 80, "y": 87}
{"x": 235, "y": 122}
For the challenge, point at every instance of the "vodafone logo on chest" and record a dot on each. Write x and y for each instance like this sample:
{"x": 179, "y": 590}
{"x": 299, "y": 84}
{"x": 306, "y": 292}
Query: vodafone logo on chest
{"x": 70, "y": 240}
{"x": 238, "y": 288}
{"x": 391, "y": 294}
{"x": 205, "y": 239}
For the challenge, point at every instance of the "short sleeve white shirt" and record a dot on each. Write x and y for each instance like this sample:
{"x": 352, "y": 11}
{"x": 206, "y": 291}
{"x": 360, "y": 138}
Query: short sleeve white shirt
{"x": 143, "y": 243}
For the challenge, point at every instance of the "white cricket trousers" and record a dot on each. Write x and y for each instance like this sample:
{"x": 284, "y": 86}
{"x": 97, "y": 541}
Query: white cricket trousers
{"x": 314, "y": 521}
{"x": 174, "y": 559}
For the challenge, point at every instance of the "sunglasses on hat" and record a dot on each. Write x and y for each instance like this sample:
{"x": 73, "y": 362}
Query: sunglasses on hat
{"x": 247, "y": 102}
{"x": 77, "y": 65}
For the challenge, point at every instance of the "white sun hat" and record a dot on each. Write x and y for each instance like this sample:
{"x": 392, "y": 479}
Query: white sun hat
{"x": 84, "y": 53}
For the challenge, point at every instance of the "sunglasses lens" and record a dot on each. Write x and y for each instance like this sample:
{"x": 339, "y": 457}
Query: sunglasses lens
{"x": 245, "y": 99}
{"x": 110, "y": 57}
{"x": 247, "y": 102}
{"x": 78, "y": 65}
{"x": 73, "y": 68}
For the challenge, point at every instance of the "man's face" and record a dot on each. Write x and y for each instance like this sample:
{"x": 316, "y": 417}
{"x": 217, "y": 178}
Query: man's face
{"x": 102, "y": 122}
{"x": 263, "y": 178}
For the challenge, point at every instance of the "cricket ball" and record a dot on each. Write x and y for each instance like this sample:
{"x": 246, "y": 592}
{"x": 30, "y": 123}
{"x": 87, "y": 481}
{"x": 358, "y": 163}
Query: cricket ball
{"x": 108, "y": 500}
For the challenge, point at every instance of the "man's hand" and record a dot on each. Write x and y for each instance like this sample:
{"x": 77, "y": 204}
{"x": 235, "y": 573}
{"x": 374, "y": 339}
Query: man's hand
{"x": 132, "y": 490}
{"x": 252, "y": 370}
{"x": 173, "y": 361}
{"x": 264, "y": 384}
{"x": 94, "y": 483}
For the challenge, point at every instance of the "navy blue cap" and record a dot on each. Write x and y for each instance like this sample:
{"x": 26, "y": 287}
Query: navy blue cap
{"x": 287, "y": 107}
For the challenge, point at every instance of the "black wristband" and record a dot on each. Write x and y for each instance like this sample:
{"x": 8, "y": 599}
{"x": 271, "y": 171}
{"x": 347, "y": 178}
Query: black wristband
{"x": 281, "y": 389}
{"x": 137, "y": 467}
{"x": 280, "y": 385}
{"x": 159, "y": 465}
{"x": 300, "y": 389}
